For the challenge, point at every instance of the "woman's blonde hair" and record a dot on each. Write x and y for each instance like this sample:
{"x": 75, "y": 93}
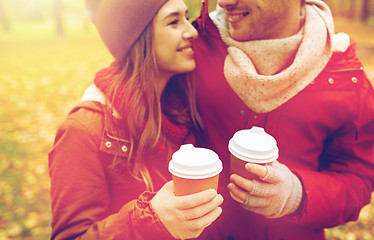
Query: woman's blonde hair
{"x": 136, "y": 85}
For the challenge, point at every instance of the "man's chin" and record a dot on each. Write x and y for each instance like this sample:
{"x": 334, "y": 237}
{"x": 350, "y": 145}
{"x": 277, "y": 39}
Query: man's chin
{"x": 236, "y": 34}
{"x": 241, "y": 36}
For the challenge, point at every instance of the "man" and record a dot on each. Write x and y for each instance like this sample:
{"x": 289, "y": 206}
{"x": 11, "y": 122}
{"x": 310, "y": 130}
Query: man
{"x": 278, "y": 64}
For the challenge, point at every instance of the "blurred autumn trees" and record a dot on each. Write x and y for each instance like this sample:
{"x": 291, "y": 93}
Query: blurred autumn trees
{"x": 3, "y": 16}
{"x": 56, "y": 12}
{"x": 57, "y": 7}
{"x": 42, "y": 77}
{"x": 353, "y": 9}
{"x": 59, "y": 11}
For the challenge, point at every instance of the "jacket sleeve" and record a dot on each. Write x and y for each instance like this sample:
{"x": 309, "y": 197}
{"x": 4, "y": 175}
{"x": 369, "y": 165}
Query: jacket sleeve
{"x": 337, "y": 193}
{"x": 80, "y": 193}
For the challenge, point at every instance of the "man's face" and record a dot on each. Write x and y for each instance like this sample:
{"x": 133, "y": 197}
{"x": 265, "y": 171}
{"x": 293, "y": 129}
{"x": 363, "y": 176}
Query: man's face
{"x": 261, "y": 19}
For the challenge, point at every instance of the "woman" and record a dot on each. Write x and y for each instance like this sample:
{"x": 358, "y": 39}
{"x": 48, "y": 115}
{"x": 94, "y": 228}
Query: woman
{"x": 112, "y": 152}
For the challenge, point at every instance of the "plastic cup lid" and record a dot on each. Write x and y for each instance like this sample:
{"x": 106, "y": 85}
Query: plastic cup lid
{"x": 254, "y": 145}
{"x": 195, "y": 163}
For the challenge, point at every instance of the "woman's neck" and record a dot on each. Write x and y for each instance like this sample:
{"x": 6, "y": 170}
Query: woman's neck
{"x": 162, "y": 81}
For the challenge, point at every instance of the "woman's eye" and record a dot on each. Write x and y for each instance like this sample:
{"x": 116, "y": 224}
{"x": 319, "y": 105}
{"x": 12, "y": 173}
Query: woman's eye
{"x": 173, "y": 22}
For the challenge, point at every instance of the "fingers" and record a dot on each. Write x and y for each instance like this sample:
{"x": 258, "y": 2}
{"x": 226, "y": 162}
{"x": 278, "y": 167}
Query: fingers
{"x": 196, "y": 199}
{"x": 257, "y": 202}
{"x": 203, "y": 209}
{"x": 196, "y": 218}
{"x": 206, "y": 220}
{"x": 268, "y": 173}
{"x": 237, "y": 193}
{"x": 241, "y": 196}
{"x": 264, "y": 189}
{"x": 257, "y": 169}
{"x": 193, "y": 228}
{"x": 185, "y": 217}
{"x": 244, "y": 184}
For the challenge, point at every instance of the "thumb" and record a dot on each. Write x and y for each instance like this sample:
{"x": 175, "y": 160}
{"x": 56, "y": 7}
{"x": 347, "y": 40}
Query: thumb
{"x": 169, "y": 185}
{"x": 167, "y": 190}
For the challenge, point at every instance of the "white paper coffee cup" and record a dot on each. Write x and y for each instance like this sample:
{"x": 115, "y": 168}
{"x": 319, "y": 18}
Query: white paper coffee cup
{"x": 251, "y": 145}
{"x": 194, "y": 169}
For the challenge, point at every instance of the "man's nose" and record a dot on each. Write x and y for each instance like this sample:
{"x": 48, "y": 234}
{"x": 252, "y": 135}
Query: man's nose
{"x": 227, "y": 3}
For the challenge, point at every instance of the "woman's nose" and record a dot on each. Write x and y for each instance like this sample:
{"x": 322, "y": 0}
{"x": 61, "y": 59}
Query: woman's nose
{"x": 190, "y": 32}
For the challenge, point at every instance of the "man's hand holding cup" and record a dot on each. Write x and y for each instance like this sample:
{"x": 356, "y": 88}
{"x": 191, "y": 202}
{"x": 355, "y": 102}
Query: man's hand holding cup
{"x": 259, "y": 182}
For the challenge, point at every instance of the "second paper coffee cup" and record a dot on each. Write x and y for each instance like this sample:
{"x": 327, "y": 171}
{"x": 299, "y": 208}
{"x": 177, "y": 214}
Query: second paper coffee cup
{"x": 194, "y": 170}
{"x": 254, "y": 146}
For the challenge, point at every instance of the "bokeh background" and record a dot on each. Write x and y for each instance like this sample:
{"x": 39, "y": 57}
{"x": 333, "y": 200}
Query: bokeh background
{"x": 49, "y": 53}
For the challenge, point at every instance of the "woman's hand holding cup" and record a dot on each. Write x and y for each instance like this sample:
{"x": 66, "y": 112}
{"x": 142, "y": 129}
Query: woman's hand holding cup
{"x": 190, "y": 203}
{"x": 186, "y": 216}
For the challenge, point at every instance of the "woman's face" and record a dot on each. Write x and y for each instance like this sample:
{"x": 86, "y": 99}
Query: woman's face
{"x": 173, "y": 36}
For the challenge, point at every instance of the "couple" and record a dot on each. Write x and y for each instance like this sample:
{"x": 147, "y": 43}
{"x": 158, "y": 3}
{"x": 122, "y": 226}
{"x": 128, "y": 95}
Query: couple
{"x": 276, "y": 64}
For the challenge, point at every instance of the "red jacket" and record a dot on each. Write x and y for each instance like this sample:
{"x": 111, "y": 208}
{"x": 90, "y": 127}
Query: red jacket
{"x": 90, "y": 198}
{"x": 325, "y": 135}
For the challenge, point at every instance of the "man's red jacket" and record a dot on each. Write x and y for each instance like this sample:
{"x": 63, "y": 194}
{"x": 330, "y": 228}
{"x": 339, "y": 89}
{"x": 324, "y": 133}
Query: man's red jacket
{"x": 325, "y": 135}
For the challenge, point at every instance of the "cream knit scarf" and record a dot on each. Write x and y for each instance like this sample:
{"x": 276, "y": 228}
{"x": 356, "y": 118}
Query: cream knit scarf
{"x": 253, "y": 69}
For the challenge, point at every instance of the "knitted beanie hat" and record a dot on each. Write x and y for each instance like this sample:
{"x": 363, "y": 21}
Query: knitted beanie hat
{"x": 120, "y": 22}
